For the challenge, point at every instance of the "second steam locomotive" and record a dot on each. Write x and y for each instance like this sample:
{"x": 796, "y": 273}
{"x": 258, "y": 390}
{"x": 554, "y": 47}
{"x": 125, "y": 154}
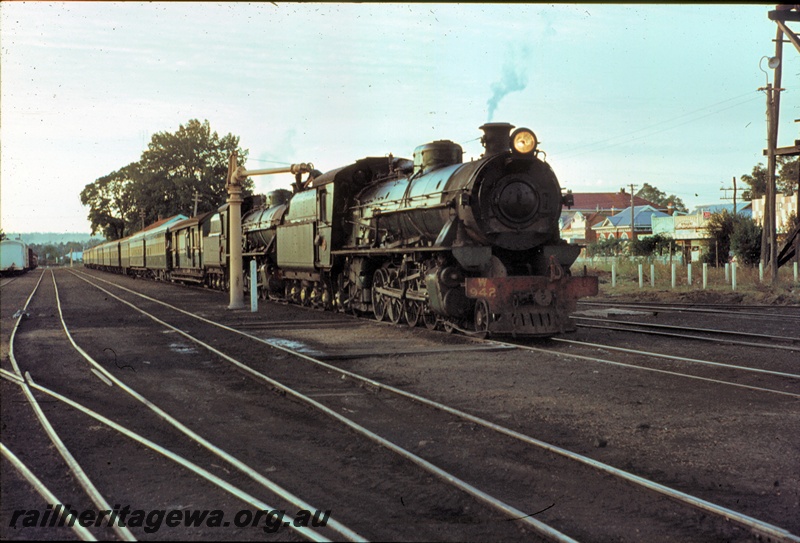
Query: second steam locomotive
{"x": 471, "y": 246}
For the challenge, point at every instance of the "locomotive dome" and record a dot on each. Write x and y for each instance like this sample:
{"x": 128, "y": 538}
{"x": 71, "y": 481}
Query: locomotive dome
{"x": 437, "y": 154}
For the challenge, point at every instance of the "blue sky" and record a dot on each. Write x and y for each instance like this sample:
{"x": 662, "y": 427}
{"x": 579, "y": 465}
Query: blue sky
{"x": 617, "y": 94}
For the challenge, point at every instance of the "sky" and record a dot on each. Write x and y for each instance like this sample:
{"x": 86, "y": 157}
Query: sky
{"x": 617, "y": 94}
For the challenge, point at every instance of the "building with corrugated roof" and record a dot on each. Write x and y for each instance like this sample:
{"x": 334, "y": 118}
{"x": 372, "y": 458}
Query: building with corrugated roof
{"x": 592, "y": 208}
{"x": 690, "y": 230}
{"x": 619, "y": 225}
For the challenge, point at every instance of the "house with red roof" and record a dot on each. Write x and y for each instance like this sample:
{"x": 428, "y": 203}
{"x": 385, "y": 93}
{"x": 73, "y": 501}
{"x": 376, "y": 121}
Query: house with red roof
{"x": 591, "y": 209}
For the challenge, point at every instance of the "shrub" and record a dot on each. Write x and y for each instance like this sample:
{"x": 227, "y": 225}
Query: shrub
{"x": 746, "y": 241}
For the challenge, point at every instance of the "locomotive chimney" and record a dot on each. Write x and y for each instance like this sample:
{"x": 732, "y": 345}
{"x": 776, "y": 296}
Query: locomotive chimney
{"x": 496, "y": 137}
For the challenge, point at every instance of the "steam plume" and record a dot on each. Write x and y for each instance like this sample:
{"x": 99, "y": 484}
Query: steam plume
{"x": 512, "y": 79}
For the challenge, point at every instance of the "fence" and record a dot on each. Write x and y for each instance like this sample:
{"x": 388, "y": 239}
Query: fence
{"x": 660, "y": 273}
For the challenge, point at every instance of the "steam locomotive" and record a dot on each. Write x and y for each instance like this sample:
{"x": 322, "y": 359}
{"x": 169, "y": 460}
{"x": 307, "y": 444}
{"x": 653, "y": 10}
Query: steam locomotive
{"x": 470, "y": 246}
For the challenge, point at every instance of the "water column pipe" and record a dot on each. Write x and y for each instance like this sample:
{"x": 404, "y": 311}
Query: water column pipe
{"x": 236, "y": 177}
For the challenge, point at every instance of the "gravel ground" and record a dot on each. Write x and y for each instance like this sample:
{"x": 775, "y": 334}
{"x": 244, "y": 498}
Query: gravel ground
{"x": 735, "y": 447}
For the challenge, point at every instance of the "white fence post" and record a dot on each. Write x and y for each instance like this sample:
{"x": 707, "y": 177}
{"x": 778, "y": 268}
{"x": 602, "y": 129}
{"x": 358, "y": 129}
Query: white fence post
{"x": 641, "y": 277}
{"x": 727, "y": 272}
{"x": 705, "y": 275}
{"x": 674, "y": 275}
{"x": 652, "y": 275}
{"x": 613, "y": 274}
{"x": 733, "y": 275}
{"x": 689, "y": 273}
{"x": 761, "y": 271}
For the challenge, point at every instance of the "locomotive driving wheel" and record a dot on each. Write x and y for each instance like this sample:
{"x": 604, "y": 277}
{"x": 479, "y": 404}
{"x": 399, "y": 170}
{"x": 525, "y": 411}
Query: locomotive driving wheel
{"x": 379, "y": 302}
{"x": 429, "y": 318}
{"x": 413, "y": 309}
{"x": 394, "y": 306}
{"x": 412, "y": 312}
{"x": 345, "y": 293}
{"x": 325, "y": 295}
{"x": 482, "y": 318}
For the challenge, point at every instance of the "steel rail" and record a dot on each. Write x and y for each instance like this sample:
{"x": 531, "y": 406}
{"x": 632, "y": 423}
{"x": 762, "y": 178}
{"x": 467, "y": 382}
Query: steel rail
{"x": 82, "y": 478}
{"x": 516, "y": 514}
{"x": 11, "y": 280}
{"x": 678, "y": 358}
{"x": 656, "y": 370}
{"x": 16, "y": 325}
{"x": 188, "y": 464}
{"x": 753, "y": 524}
{"x": 708, "y": 308}
{"x": 44, "y": 492}
{"x": 688, "y": 336}
{"x": 241, "y": 466}
{"x": 703, "y": 330}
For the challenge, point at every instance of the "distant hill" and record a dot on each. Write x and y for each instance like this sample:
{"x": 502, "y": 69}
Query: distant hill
{"x": 42, "y": 238}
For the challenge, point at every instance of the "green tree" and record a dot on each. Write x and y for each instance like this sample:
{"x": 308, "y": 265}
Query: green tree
{"x": 656, "y": 244}
{"x": 733, "y": 234}
{"x": 720, "y": 229}
{"x": 785, "y": 182}
{"x": 788, "y": 178}
{"x": 651, "y": 193}
{"x": 746, "y": 241}
{"x": 163, "y": 182}
{"x": 605, "y": 247}
{"x": 175, "y": 165}
{"x": 111, "y": 202}
{"x": 757, "y": 181}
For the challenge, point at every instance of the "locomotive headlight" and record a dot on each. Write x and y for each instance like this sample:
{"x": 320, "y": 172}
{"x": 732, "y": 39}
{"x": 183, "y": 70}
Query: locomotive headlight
{"x": 523, "y": 141}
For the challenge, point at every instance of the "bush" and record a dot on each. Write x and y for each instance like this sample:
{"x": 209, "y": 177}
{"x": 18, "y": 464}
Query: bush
{"x": 746, "y": 241}
{"x": 657, "y": 244}
{"x": 605, "y": 247}
{"x": 737, "y": 234}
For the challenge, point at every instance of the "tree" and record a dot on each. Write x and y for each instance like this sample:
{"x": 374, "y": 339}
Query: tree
{"x": 746, "y": 241}
{"x": 650, "y": 245}
{"x": 174, "y": 166}
{"x": 789, "y": 176}
{"x": 733, "y": 234}
{"x": 785, "y": 182}
{"x": 163, "y": 182}
{"x": 2, "y": 235}
{"x": 720, "y": 228}
{"x": 651, "y": 193}
{"x": 111, "y": 202}
{"x": 605, "y": 247}
{"x": 757, "y": 181}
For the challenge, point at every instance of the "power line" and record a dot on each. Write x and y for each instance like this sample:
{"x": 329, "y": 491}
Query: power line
{"x": 269, "y": 161}
{"x": 571, "y": 152}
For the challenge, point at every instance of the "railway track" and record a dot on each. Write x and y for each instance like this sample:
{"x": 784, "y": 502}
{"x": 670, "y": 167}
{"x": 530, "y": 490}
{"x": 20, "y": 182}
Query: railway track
{"x": 735, "y": 310}
{"x": 433, "y": 490}
{"x": 766, "y": 341}
{"x": 7, "y": 281}
{"x": 101, "y": 504}
{"x": 751, "y": 524}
